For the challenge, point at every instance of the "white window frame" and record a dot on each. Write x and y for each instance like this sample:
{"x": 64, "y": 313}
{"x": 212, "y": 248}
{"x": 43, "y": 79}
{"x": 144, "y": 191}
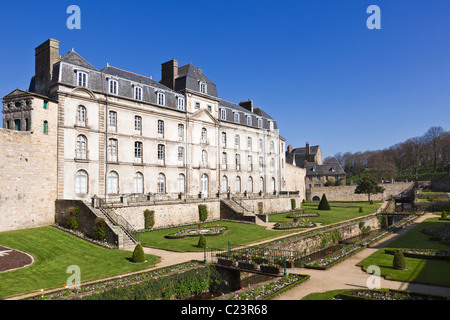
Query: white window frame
{"x": 81, "y": 116}
{"x": 160, "y": 98}
{"x": 161, "y": 154}
{"x": 138, "y": 183}
{"x": 138, "y": 125}
{"x": 81, "y": 182}
{"x": 260, "y": 123}
{"x": 180, "y": 132}
{"x": 113, "y": 145}
{"x": 181, "y": 183}
{"x": 161, "y": 183}
{"x": 181, "y": 155}
{"x": 113, "y": 182}
{"x": 138, "y": 151}
{"x": 202, "y": 87}
{"x": 112, "y": 121}
{"x": 204, "y": 135}
{"x": 249, "y": 120}
{"x": 83, "y": 82}
{"x": 137, "y": 93}
{"x": 113, "y": 86}
{"x": 223, "y": 114}
{"x": 180, "y": 103}
{"x": 81, "y": 151}
{"x": 160, "y": 129}
{"x": 236, "y": 117}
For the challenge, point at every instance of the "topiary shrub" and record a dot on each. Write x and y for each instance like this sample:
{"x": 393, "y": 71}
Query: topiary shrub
{"x": 138, "y": 254}
{"x": 323, "y": 204}
{"x": 100, "y": 229}
{"x": 371, "y": 201}
{"x": 149, "y": 219}
{"x": 361, "y": 209}
{"x": 72, "y": 217}
{"x": 201, "y": 242}
{"x": 293, "y": 204}
{"x": 444, "y": 214}
{"x": 202, "y": 212}
{"x": 303, "y": 201}
{"x": 399, "y": 261}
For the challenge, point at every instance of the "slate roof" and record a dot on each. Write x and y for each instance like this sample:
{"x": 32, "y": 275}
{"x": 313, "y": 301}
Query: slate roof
{"x": 314, "y": 169}
{"x": 189, "y": 77}
{"x": 74, "y": 58}
{"x": 133, "y": 77}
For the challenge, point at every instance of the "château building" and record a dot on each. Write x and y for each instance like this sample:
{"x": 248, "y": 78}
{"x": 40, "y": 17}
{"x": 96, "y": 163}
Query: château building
{"x": 113, "y": 133}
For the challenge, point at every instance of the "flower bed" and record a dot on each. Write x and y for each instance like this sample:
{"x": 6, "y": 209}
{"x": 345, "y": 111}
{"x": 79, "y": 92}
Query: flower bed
{"x": 386, "y": 294}
{"x": 103, "y": 285}
{"x": 272, "y": 269}
{"x": 292, "y": 225}
{"x": 303, "y": 215}
{"x": 422, "y": 253}
{"x": 195, "y": 232}
{"x": 270, "y": 290}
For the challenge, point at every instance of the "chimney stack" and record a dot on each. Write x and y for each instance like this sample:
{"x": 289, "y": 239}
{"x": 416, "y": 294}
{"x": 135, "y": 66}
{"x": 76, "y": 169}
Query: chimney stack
{"x": 308, "y": 149}
{"x": 247, "y": 105}
{"x": 46, "y": 55}
{"x": 169, "y": 72}
{"x": 290, "y": 148}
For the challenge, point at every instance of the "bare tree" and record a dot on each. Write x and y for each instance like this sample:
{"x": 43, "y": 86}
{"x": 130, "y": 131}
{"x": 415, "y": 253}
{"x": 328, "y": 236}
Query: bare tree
{"x": 433, "y": 137}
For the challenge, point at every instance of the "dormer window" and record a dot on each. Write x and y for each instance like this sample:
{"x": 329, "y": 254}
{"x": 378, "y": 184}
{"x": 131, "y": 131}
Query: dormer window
{"x": 82, "y": 79}
{"x": 249, "y": 120}
{"x": 332, "y": 169}
{"x": 137, "y": 93}
{"x": 223, "y": 114}
{"x": 260, "y": 123}
{"x": 236, "y": 117}
{"x": 202, "y": 86}
{"x": 180, "y": 103}
{"x": 113, "y": 86}
{"x": 161, "y": 98}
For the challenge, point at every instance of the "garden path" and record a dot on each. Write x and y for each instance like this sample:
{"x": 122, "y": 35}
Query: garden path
{"x": 346, "y": 275}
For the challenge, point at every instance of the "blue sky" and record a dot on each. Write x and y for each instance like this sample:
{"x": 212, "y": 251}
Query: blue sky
{"x": 313, "y": 65}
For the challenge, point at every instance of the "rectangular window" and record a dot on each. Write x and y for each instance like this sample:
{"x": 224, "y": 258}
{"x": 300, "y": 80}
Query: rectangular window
{"x": 202, "y": 87}
{"x": 45, "y": 104}
{"x": 249, "y": 120}
{"x": 81, "y": 79}
{"x": 138, "y": 93}
{"x": 197, "y": 105}
{"x": 161, "y": 99}
{"x": 238, "y": 162}
{"x": 160, "y": 129}
{"x": 112, "y": 150}
{"x": 180, "y": 103}
{"x": 180, "y": 132}
{"x": 113, "y": 87}
{"x": 137, "y": 125}
{"x": 113, "y": 121}
{"x": 180, "y": 155}
{"x": 236, "y": 117}
{"x": 224, "y": 139}
{"x": 249, "y": 143}
{"x": 138, "y": 152}
{"x": 161, "y": 154}
{"x": 223, "y": 114}
{"x": 224, "y": 160}
{"x": 261, "y": 163}
{"x": 250, "y": 163}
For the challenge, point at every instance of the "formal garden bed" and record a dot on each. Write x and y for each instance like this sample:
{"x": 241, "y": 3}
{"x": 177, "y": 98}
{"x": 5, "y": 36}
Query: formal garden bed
{"x": 340, "y": 255}
{"x": 196, "y": 232}
{"x": 270, "y": 289}
{"x": 303, "y": 214}
{"x": 422, "y": 253}
{"x": 303, "y": 223}
{"x": 86, "y": 236}
{"x": 386, "y": 294}
{"x": 100, "y": 286}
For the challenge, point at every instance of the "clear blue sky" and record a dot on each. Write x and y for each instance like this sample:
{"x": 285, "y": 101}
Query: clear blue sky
{"x": 313, "y": 65}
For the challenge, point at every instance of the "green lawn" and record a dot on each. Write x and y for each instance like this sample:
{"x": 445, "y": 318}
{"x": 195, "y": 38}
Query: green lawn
{"x": 53, "y": 251}
{"x": 425, "y": 271}
{"x": 340, "y": 211}
{"x": 238, "y": 234}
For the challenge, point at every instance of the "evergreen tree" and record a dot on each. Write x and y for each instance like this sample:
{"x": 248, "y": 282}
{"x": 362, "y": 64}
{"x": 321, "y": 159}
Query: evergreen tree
{"x": 323, "y": 204}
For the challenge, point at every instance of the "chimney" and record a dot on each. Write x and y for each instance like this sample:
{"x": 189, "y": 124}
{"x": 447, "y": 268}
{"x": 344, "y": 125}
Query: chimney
{"x": 308, "y": 149}
{"x": 247, "y": 105}
{"x": 290, "y": 148}
{"x": 47, "y": 54}
{"x": 169, "y": 72}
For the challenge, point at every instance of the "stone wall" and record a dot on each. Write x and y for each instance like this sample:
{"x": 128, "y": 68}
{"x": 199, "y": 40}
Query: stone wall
{"x": 321, "y": 240}
{"x": 271, "y": 205}
{"x": 170, "y": 213}
{"x": 347, "y": 193}
{"x": 27, "y": 179}
{"x": 295, "y": 179}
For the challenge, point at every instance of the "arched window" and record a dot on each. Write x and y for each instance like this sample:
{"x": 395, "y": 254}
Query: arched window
{"x": 161, "y": 183}
{"x": 138, "y": 183}
{"x": 250, "y": 184}
{"x": 161, "y": 154}
{"x": 81, "y": 182}
{"x": 272, "y": 164}
{"x": 238, "y": 184}
{"x": 224, "y": 184}
{"x": 112, "y": 150}
{"x": 113, "y": 183}
{"x": 81, "y": 116}
{"x": 261, "y": 184}
{"x": 81, "y": 147}
{"x": 181, "y": 180}
{"x": 45, "y": 130}
{"x": 273, "y": 185}
{"x": 204, "y": 135}
{"x": 272, "y": 147}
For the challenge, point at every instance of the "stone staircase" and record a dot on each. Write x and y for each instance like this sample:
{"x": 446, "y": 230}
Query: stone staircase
{"x": 231, "y": 209}
{"x": 118, "y": 225}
